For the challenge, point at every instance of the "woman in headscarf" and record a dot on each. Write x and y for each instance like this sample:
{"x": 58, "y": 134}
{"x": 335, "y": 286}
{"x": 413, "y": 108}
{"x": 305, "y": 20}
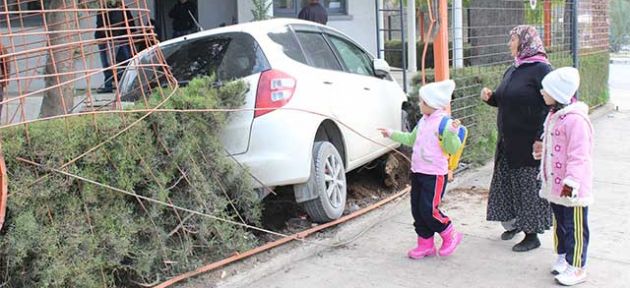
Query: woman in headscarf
{"x": 513, "y": 198}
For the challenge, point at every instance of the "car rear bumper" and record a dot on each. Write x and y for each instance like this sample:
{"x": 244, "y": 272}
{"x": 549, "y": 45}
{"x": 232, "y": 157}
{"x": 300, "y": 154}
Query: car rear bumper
{"x": 280, "y": 148}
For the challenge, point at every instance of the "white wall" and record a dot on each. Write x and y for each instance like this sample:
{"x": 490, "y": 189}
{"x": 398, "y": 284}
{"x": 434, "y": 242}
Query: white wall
{"x": 360, "y": 24}
{"x": 213, "y": 13}
{"x": 245, "y": 10}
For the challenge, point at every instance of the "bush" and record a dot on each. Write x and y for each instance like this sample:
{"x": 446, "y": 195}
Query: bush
{"x": 594, "y": 78}
{"x": 63, "y": 232}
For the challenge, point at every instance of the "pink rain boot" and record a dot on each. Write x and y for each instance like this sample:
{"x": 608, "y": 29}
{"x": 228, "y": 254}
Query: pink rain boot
{"x": 450, "y": 240}
{"x": 426, "y": 247}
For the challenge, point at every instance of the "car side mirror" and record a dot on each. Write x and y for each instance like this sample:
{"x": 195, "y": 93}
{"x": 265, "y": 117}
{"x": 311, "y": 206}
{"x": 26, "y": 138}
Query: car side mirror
{"x": 381, "y": 68}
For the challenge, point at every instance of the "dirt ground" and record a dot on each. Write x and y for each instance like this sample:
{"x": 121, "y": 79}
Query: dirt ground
{"x": 366, "y": 186}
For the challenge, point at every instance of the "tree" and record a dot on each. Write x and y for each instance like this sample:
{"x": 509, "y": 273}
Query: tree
{"x": 261, "y": 9}
{"x": 619, "y": 24}
{"x": 59, "y": 96}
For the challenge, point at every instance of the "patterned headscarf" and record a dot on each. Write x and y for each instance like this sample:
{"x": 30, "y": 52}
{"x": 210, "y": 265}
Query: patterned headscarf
{"x": 530, "y": 49}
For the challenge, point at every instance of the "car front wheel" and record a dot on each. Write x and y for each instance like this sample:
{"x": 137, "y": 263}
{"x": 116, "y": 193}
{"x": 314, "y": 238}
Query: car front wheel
{"x": 328, "y": 178}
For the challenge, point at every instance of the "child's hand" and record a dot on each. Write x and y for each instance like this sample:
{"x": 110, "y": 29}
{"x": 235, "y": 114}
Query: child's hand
{"x": 567, "y": 191}
{"x": 456, "y": 123}
{"x": 385, "y": 132}
{"x": 537, "y": 150}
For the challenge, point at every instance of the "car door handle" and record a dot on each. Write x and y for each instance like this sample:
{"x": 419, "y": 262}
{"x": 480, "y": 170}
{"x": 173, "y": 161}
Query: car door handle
{"x": 366, "y": 88}
{"x": 328, "y": 82}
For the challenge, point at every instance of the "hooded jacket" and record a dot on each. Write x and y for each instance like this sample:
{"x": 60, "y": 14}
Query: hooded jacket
{"x": 567, "y": 156}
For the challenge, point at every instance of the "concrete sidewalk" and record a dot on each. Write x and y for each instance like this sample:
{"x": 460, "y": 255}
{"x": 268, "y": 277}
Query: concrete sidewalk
{"x": 377, "y": 256}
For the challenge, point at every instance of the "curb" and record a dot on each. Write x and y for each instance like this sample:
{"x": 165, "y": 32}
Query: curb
{"x": 601, "y": 111}
{"x": 623, "y": 61}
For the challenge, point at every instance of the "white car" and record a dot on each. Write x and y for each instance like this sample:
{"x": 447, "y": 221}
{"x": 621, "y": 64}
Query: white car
{"x": 322, "y": 98}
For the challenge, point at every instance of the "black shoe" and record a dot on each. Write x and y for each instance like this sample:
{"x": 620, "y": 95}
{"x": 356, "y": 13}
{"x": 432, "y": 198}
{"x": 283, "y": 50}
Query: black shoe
{"x": 508, "y": 235}
{"x": 103, "y": 90}
{"x": 530, "y": 242}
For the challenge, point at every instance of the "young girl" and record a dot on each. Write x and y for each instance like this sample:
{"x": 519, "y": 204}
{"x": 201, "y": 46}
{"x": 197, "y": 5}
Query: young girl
{"x": 566, "y": 169}
{"x": 430, "y": 169}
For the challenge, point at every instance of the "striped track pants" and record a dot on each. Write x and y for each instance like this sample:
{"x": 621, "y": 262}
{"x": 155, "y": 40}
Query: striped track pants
{"x": 426, "y": 195}
{"x": 571, "y": 233}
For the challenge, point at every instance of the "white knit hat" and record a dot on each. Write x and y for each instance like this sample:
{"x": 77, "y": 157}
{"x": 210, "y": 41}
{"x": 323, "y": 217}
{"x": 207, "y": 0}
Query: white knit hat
{"x": 561, "y": 84}
{"x": 437, "y": 95}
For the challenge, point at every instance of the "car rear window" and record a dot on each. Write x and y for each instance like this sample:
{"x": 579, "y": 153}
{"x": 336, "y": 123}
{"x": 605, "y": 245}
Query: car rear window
{"x": 229, "y": 56}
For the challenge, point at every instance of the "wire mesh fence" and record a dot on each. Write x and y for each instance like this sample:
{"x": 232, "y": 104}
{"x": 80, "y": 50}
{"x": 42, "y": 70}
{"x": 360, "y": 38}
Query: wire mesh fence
{"x": 69, "y": 47}
{"x": 479, "y": 35}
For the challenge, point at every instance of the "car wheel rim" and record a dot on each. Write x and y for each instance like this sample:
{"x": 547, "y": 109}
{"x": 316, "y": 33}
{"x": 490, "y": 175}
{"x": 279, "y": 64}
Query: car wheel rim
{"x": 335, "y": 181}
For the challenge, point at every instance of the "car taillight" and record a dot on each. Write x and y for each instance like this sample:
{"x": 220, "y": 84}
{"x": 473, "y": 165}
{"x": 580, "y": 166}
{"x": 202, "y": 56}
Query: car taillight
{"x": 275, "y": 89}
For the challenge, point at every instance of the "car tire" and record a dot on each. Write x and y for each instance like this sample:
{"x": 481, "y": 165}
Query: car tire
{"x": 328, "y": 179}
{"x": 405, "y": 125}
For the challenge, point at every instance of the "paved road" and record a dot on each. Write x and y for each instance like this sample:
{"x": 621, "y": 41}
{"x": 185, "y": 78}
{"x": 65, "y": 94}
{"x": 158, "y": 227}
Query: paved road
{"x": 377, "y": 258}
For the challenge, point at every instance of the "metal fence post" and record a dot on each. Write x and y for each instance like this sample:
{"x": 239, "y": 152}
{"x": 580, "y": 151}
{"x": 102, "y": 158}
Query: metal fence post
{"x": 574, "y": 34}
{"x": 575, "y": 49}
{"x": 378, "y": 30}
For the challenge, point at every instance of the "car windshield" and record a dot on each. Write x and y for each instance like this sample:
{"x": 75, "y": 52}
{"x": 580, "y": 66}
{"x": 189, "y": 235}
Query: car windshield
{"x": 227, "y": 56}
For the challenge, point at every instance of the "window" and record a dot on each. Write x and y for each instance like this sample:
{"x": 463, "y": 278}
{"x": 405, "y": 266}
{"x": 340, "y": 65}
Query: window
{"x": 318, "y": 51}
{"x": 290, "y": 46}
{"x": 228, "y": 56}
{"x": 291, "y": 8}
{"x": 285, "y": 7}
{"x": 354, "y": 59}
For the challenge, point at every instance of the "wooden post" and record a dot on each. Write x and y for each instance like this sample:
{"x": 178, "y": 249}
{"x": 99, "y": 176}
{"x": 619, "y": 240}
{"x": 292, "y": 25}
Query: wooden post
{"x": 440, "y": 54}
{"x": 440, "y": 44}
{"x": 547, "y": 16}
{"x": 421, "y": 25}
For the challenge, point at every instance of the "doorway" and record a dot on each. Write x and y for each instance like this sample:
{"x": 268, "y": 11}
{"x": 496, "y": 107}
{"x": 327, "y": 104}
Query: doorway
{"x": 163, "y": 21}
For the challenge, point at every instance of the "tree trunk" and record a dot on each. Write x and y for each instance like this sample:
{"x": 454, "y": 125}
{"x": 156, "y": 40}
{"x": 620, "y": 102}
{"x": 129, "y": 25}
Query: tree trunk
{"x": 59, "y": 96}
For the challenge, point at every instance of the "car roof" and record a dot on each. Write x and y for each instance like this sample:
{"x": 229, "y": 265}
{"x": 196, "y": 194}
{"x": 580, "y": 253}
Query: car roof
{"x": 249, "y": 27}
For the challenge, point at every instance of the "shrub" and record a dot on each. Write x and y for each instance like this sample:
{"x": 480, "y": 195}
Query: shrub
{"x": 64, "y": 232}
{"x": 594, "y": 78}
{"x": 393, "y": 54}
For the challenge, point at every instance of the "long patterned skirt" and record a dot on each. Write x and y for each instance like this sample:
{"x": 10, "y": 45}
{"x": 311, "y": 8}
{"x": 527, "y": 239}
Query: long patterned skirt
{"x": 514, "y": 198}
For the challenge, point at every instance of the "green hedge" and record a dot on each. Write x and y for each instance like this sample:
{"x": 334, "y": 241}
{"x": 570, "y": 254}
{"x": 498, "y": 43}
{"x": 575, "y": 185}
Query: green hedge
{"x": 394, "y": 58}
{"x": 594, "y": 70}
{"x": 481, "y": 118}
{"x": 63, "y": 232}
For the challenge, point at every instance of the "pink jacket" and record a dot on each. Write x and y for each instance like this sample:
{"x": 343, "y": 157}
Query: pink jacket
{"x": 567, "y": 156}
{"x": 428, "y": 157}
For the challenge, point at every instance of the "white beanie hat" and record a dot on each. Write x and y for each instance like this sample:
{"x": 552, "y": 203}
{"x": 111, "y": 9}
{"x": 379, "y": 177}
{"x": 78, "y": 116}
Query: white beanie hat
{"x": 438, "y": 95}
{"x": 561, "y": 84}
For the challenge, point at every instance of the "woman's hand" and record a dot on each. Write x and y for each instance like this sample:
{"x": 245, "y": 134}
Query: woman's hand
{"x": 385, "y": 132}
{"x": 486, "y": 93}
{"x": 537, "y": 150}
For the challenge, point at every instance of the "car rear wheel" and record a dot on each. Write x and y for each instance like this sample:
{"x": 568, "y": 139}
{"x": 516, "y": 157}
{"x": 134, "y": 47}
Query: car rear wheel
{"x": 328, "y": 179}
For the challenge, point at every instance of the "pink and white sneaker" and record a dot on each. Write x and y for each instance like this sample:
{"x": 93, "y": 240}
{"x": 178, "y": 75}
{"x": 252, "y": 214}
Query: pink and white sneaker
{"x": 560, "y": 265}
{"x": 572, "y": 276}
